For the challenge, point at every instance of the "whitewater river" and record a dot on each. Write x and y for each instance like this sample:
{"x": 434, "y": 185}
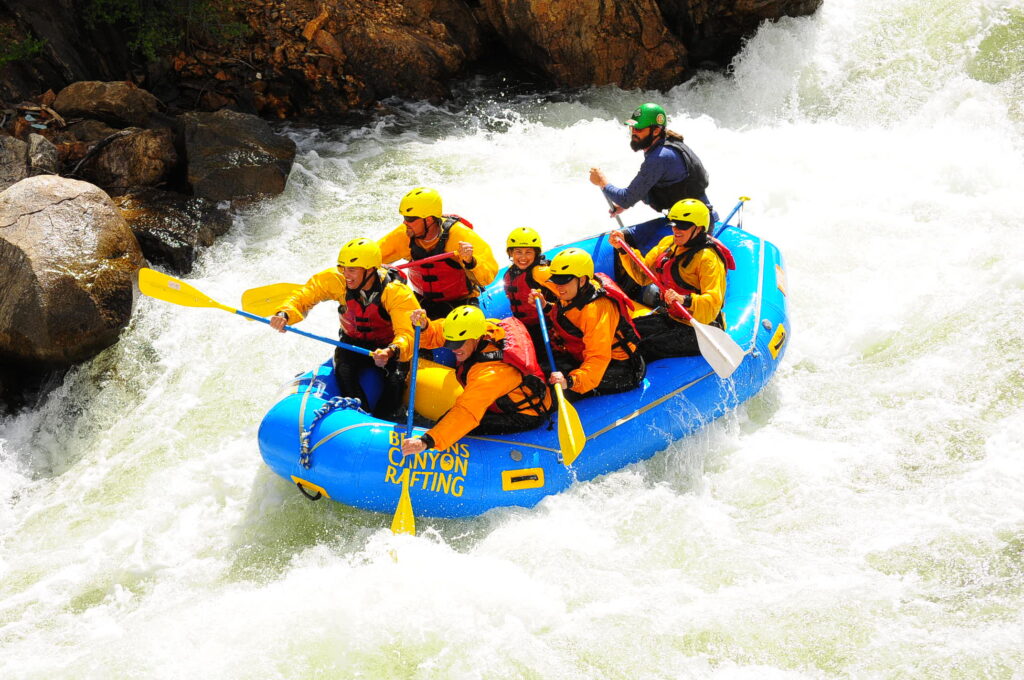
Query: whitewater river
{"x": 862, "y": 518}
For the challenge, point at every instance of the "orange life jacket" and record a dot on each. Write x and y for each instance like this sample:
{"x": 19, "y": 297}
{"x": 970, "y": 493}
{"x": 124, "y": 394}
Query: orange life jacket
{"x": 515, "y": 349}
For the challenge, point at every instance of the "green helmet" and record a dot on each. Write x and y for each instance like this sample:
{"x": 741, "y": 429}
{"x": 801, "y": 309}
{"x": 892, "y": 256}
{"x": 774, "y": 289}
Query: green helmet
{"x": 647, "y": 115}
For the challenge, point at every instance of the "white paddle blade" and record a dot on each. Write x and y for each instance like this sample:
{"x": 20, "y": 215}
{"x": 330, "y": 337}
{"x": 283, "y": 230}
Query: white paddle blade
{"x": 720, "y": 350}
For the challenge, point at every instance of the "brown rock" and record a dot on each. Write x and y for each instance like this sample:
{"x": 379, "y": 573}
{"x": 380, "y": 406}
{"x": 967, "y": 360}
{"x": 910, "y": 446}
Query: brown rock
{"x": 67, "y": 265}
{"x": 234, "y": 155}
{"x": 140, "y": 158}
{"x": 313, "y": 26}
{"x": 120, "y": 104}
{"x": 592, "y": 42}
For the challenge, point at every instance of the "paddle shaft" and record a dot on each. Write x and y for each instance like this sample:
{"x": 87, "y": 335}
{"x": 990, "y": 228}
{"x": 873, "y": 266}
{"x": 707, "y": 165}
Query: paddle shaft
{"x": 293, "y": 329}
{"x": 567, "y": 416}
{"x": 544, "y": 334}
{"x": 425, "y": 260}
{"x": 735, "y": 209}
{"x": 412, "y": 378}
{"x": 633, "y": 256}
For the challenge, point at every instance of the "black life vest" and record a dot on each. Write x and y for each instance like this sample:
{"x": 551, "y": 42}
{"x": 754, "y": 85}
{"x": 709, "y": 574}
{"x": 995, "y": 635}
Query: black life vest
{"x": 515, "y": 349}
{"x": 568, "y": 335}
{"x": 694, "y": 185}
{"x": 442, "y": 280}
{"x": 518, "y": 284}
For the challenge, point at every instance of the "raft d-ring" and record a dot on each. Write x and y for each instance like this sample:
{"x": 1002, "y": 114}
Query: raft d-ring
{"x": 306, "y": 487}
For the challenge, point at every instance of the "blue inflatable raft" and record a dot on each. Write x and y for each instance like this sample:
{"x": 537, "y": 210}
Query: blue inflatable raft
{"x": 330, "y": 448}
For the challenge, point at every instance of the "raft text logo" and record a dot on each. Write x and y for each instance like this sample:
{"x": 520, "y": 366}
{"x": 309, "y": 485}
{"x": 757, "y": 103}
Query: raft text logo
{"x": 440, "y": 471}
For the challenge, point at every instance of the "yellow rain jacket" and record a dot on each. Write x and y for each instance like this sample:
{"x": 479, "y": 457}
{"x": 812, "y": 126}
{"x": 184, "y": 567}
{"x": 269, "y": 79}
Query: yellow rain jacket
{"x": 394, "y": 246}
{"x": 397, "y": 299}
{"x": 705, "y": 274}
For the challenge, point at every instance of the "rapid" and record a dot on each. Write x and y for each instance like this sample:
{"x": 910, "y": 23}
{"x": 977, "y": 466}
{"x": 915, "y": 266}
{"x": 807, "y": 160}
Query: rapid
{"x": 863, "y": 517}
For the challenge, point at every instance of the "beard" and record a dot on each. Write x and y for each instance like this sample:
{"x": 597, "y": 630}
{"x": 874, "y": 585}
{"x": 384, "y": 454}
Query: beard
{"x": 637, "y": 145}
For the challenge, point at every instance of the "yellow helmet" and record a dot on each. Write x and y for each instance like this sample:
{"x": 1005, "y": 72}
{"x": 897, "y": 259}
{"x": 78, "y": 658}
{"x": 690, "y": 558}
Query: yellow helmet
{"x": 360, "y": 252}
{"x": 464, "y": 323}
{"x": 690, "y": 210}
{"x": 523, "y": 237}
{"x": 569, "y": 263}
{"x": 420, "y": 202}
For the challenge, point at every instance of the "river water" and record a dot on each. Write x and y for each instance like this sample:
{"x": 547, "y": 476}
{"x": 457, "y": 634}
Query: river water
{"x": 862, "y": 518}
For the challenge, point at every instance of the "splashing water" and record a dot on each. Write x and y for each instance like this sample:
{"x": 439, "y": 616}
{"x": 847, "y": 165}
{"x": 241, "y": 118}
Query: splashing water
{"x": 863, "y": 517}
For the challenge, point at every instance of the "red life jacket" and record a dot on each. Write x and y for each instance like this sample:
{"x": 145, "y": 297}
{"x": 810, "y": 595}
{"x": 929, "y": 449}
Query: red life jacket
{"x": 518, "y": 283}
{"x": 515, "y": 349}
{"x": 569, "y": 337}
{"x": 368, "y": 324}
{"x": 669, "y": 263}
{"x": 441, "y": 280}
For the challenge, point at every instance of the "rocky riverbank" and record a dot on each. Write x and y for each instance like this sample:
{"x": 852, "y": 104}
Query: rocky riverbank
{"x": 94, "y": 182}
{"x": 110, "y": 158}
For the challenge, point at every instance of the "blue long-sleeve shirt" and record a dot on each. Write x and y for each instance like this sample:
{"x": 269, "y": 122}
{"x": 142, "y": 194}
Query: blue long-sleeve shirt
{"x": 661, "y": 166}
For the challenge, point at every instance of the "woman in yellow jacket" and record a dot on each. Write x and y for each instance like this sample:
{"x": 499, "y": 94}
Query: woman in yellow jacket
{"x": 592, "y": 332}
{"x": 448, "y": 283}
{"x": 374, "y": 314}
{"x": 503, "y": 388}
{"x": 690, "y": 266}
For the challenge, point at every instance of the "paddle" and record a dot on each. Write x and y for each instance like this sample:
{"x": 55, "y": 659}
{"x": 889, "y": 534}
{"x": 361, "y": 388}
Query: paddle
{"x": 571, "y": 437}
{"x": 267, "y": 300}
{"x": 169, "y": 289}
{"x": 425, "y": 260}
{"x": 725, "y": 223}
{"x": 715, "y": 345}
{"x": 404, "y": 521}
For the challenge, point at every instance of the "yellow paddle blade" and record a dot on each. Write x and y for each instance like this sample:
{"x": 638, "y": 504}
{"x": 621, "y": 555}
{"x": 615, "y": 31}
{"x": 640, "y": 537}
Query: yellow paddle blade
{"x": 571, "y": 437}
{"x": 404, "y": 521}
{"x": 268, "y": 300}
{"x": 169, "y": 289}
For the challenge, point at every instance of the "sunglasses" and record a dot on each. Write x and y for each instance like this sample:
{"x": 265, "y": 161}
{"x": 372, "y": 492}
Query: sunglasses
{"x": 409, "y": 219}
{"x": 681, "y": 226}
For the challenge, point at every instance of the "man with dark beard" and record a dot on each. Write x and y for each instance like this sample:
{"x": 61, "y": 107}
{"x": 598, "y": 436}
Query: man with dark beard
{"x": 671, "y": 171}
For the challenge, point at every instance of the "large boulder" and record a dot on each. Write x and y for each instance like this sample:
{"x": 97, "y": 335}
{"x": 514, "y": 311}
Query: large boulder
{"x": 67, "y": 267}
{"x": 172, "y": 228}
{"x": 136, "y": 158}
{"x": 235, "y": 155}
{"x": 118, "y": 103}
{"x": 592, "y": 42}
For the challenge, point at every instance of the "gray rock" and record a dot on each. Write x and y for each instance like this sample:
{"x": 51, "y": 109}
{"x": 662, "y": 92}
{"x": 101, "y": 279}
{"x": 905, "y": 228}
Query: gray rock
{"x": 42, "y": 156}
{"x": 172, "y": 228}
{"x": 68, "y": 262}
{"x": 13, "y": 161}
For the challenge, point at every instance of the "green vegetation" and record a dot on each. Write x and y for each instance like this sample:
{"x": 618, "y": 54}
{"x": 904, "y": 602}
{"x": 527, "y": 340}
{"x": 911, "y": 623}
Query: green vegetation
{"x": 14, "y": 49}
{"x": 155, "y": 27}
